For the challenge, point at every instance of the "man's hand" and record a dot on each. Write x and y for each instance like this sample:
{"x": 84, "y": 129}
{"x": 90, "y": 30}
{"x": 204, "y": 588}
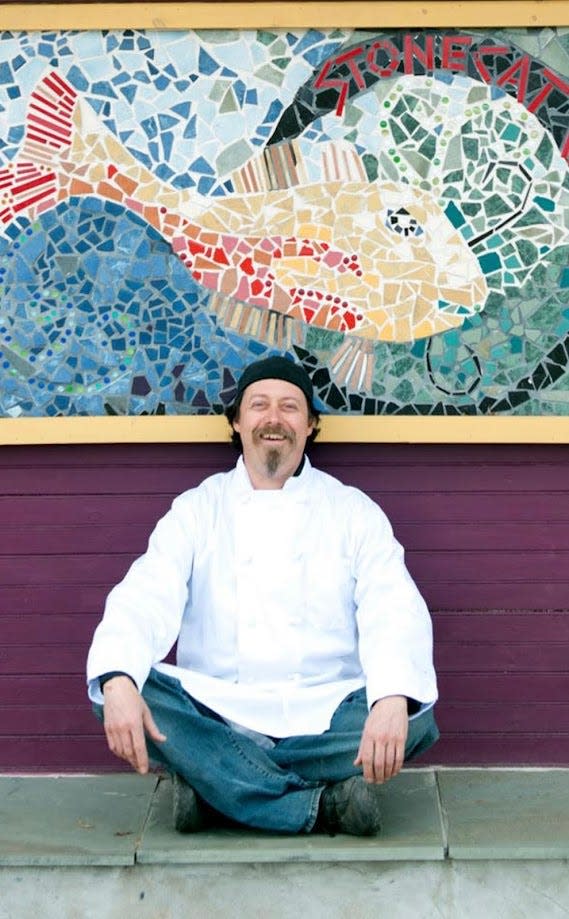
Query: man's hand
{"x": 382, "y": 747}
{"x": 127, "y": 718}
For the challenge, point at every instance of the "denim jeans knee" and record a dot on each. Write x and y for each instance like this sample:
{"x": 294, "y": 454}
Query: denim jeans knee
{"x": 423, "y": 733}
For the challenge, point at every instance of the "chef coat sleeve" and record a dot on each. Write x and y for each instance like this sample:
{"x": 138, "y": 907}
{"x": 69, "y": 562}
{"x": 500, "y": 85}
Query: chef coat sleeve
{"x": 143, "y": 613}
{"x": 394, "y": 626}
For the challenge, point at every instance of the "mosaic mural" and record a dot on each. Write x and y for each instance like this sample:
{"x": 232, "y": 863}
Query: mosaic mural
{"x": 392, "y": 210}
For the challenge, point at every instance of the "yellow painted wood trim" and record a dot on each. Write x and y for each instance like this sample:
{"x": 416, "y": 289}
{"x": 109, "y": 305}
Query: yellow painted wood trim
{"x": 380, "y": 14}
{"x": 334, "y": 429}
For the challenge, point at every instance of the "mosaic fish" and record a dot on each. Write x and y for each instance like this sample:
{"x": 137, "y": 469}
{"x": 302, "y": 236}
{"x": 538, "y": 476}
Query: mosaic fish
{"x": 377, "y": 261}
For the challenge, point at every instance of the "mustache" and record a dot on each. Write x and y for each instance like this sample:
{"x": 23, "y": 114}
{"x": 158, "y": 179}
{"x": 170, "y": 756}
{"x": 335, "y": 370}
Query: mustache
{"x": 275, "y": 429}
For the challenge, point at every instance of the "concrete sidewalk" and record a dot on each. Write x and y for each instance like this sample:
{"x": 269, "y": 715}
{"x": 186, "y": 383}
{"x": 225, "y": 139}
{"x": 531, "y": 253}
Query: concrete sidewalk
{"x": 455, "y": 843}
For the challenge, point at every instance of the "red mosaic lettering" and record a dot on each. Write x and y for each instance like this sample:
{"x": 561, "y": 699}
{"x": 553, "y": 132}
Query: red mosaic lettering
{"x": 348, "y": 58}
{"x": 538, "y": 100}
{"x": 555, "y": 82}
{"x": 490, "y": 51}
{"x": 554, "y": 78}
{"x": 393, "y": 57}
{"x": 565, "y": 148}
{"x": 341, "y": 83}
{"x": 453, "y": 52}
{"x": 412, "y": 51}
{"x": 517, "y": 75}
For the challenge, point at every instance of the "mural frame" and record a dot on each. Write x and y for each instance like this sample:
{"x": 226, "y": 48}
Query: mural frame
{"x": 257, "y": 14}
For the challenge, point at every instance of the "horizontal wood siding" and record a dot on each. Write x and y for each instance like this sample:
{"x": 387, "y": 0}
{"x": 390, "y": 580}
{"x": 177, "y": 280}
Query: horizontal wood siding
{"x": 486, "y": 531}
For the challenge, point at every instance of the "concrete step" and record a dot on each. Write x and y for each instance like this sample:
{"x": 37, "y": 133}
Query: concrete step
{"x": 455, "y": 843}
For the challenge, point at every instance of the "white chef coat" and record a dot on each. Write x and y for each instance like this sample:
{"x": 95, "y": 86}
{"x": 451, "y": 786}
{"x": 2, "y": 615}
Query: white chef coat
{"x": 282, "y": 601}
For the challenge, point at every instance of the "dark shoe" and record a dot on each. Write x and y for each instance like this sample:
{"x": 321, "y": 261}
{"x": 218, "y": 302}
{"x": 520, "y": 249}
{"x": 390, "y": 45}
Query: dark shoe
{"x": 350, "y": 807}
{"x": 189, "y": 810}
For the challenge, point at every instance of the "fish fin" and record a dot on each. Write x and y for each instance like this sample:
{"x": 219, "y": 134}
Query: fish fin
{"x": 278, "y": 166}
{"x": 35, "y": 182}
{"x": 282, "y": 166}
{"x": 341, "y": 162}
{"x": 353, "y": 364}
{"x": 264, "y": 325}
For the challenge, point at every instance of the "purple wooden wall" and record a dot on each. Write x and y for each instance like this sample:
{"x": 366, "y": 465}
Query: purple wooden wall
{"x": 487, "y": 533}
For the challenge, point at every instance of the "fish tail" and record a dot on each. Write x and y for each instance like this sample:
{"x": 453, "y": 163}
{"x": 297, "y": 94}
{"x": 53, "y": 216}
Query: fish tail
{"x": 33, "y": 183}
{"x": 272, "y": 328}
{"x": 353, "y": 364}
{"x": 66, "y": 152}
{"x": 49, "y": 119}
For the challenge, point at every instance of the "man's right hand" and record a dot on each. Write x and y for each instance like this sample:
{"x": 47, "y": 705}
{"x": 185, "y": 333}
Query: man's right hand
{"x": 127, "y": 719}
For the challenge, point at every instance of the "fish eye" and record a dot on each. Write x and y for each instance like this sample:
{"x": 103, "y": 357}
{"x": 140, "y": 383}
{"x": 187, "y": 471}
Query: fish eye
{"x": 403, "y": 223}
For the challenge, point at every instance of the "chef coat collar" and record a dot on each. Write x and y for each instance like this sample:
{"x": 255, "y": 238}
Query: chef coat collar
{"x": 294, "y": 484}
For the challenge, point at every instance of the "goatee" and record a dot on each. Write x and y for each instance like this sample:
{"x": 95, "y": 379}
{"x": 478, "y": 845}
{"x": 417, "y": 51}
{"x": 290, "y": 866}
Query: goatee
{"x": 273, "y": 462}
{"x": 273, "y": 457}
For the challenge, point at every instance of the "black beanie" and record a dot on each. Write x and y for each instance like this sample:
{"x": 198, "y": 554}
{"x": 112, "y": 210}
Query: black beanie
{"x": 276, "y": 368}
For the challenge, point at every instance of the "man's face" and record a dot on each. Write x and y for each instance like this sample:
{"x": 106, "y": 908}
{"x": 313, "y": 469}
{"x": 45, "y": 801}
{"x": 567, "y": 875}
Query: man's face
{"x": 274, "y": 424}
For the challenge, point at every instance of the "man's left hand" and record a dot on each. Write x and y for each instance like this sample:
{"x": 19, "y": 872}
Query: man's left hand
{"x": 382, "y": 747}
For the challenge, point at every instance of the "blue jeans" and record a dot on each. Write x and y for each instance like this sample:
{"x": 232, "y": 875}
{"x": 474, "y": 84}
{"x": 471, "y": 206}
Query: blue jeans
{"x": 277, "y": 789}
